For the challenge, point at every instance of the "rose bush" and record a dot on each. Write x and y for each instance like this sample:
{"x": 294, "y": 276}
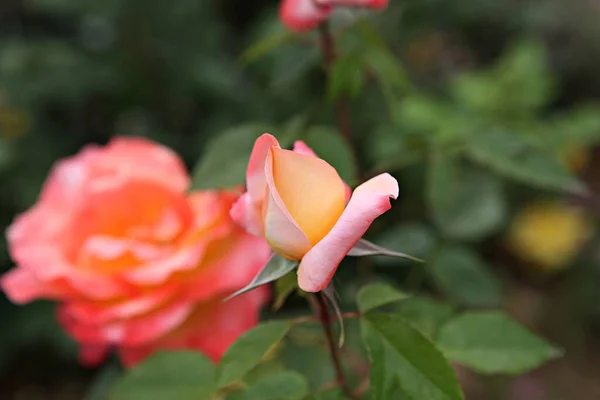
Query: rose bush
{"x": 136, "y": 263}
{"x": 299, "y": 203}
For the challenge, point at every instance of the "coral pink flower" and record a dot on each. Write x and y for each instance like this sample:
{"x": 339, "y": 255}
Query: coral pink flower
{"x": 135, "y": 262}
{"x": 299, "y": 203}
{"x": 304, "y": 15}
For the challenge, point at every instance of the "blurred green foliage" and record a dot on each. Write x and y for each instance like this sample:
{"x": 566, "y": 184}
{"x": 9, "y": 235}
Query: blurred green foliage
{"x": 473, "y": 105}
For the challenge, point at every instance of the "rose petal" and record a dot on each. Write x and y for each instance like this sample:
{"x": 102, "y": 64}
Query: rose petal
{"x": 246, "y": 215}
{"x": 211, "y": 329}
{"x": 221, "y": 273}
{"x": 21, "y": 286}
{"x": 93, "y": 355}
{"x": 140, "y": 157}
{"x": 302, "y": 148}
{"x": 104, "y": 312}
{"x": 369, "y": 201}
{"x": 48, "y": 264}
{"x": 156, "y": 272}
{"x": 303, "y": 15}
{"x": 128, "y": 332}
{"x": 255, "y": 174}
{"x": 281, "y": 230}
{"x": 311, "y": 190}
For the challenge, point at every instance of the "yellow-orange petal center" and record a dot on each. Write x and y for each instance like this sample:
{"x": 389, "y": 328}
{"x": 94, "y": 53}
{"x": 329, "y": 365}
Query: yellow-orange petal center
{"x": 311, "y": 190}
{"x": 127, "y": 226}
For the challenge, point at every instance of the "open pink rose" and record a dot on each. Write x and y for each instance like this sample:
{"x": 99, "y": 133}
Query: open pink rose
{"x": 136, "y": 263}
{"x": 305, "y": 15}
{"x": 299, "y": 203}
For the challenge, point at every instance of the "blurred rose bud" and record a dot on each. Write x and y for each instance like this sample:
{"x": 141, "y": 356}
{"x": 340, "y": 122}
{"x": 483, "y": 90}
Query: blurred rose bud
{"x": 305, "y": 15}
{"x": 549, "y": 235}
{"x": 137, "y": 263}
{"x": 299, "y": 203}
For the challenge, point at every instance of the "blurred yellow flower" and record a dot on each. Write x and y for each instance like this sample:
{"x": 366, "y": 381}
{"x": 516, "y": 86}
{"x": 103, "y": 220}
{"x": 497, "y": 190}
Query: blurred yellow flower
{"x": 549, "y": 235}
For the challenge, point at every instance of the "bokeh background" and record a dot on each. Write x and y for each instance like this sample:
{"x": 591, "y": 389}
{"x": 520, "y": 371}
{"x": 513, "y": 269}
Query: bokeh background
{"x": 499, "y": 228}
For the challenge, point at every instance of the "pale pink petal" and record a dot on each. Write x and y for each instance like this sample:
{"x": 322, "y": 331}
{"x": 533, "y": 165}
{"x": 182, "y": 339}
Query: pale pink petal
{"x": 246, "y": 215}
{"x": 255, "y": 175}
{"x": 303, "y": 15}
{"x": 302, "y": 148}
{"x": 369, "y": 201}
{"x": 68, "y": 177}
{"x": 21, "y": 286}
{"x": 281, "y": 231}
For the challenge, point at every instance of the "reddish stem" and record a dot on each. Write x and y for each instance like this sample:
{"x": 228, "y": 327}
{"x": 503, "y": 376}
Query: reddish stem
{"x": 334, "y": 350}
{"x": 341, "y": 105}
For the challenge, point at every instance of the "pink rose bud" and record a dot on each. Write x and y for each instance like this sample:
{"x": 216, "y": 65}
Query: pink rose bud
{"x": 136, "y": 263}
{"x": 305, "y": 15}
{"x": 299, "y": 203}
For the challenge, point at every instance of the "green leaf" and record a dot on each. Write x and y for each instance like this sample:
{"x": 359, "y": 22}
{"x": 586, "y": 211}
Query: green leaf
{"x": 426, "y": 314}
{"x": 512, "y": 156}
{"x": 577, "y": 127}
{"x": 492, "y": 343}
{"x": 277, "y": 267}
{"x": 224, "y": 161}
{"x": 300, "y": 354}
{"x": 270, "y": 364}
{"x": 280, "y": 385}
{"x": 249, "y": 350}
{"x": 413, "y": 238}
{"x": 173, "y": 375}
{"x": 463, "y": 276}
{"x": 329, "y": 145}
{"x": 433, "y": 119}
{"x": 347, "y": 77}
{"x": 387, "y": 68}
{"x": 381, "y": 377}
{"x": 421, "y": 369}
{"x": 283, "y": 288}
{"x": 331, "y": 394}
{"x": 265, "y": 45}
{"x": 376, "y": 295}
{"x": 364, "y": 248}
{"x": 518, "y": 85}
{"x": 466, "y": 203}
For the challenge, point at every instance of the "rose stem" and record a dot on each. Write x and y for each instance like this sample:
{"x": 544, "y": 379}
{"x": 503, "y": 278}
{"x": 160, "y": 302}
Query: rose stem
{"x": 341, "y": 104}
{"x": 334, "y": 350}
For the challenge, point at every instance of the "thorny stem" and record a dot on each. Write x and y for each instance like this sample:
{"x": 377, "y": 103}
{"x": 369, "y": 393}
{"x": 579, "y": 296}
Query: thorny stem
{"x": 341, "y": 105}
{"x": 334, "y": 350}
